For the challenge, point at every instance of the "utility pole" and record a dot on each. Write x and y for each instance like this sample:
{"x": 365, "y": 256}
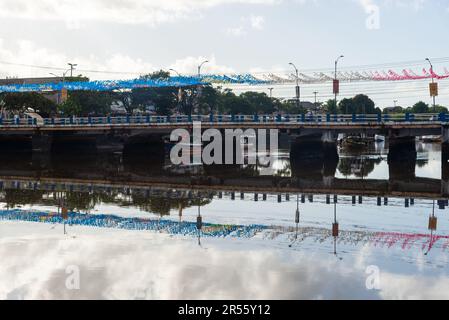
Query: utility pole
{"x": 315, "y": 93}
{"x": 433, "y": 94}
{"x": 63, "y": 84}
{"x": 72, "y": 67}
{"x": 298, "y": 89}
{"x": 199, "y": 86}
{"x": 336, "y": 82}
{"x": 180, "y": 92}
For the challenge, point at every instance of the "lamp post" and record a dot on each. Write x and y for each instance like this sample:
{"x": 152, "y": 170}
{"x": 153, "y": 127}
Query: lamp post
{"x": 63, "y": 83}
{"x": 180, "y": 93}
{"x": 199, "y": 86}
{"x": 200, "y": 66}
{"x": 177, "y": 73}
{"x": 72, "y": 67}
{"x": 315, "y": 93}
{"x": 298, "y": 92}
{"x": 336, "y": 83}
{"x": 433, "y": 81}
{"x": 271, "y": 92}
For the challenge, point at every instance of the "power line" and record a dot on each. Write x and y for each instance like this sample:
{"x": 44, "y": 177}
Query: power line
{"x": 361, "y": 68}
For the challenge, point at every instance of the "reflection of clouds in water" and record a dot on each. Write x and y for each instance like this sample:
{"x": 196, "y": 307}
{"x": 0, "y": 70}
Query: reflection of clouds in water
{"x": 415, "y": 288}
{"x": 141, "y": 265}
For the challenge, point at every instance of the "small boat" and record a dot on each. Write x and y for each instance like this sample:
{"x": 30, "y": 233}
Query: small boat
{"x": 355, "y": 143}
{"x": 378, "y": 138}
{"x": 431, "y": 139}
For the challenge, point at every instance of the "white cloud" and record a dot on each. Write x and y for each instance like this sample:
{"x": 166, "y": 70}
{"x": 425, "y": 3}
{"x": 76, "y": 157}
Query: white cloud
{"x": 236, "y": 31}
{"x": 189, "y": 65}
{"x": 27, "y": 52}
{"x": 251, "y": 22}
{"x": 151, "y": 12}
{"x": 257, "y": 22}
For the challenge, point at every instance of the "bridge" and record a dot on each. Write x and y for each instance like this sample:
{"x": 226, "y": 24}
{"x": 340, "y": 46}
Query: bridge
{"x": 115, "y": 133}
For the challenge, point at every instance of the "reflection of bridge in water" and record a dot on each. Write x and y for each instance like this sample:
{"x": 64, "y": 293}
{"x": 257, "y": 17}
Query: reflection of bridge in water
{"x": 257, "y": 188}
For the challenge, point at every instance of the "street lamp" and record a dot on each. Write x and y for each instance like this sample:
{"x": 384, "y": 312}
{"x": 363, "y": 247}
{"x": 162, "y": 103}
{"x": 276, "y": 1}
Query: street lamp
{"x": 72, "y": 67}
{"x": 199, "y": 87}
{"x": 433, "y": 81}
{"x": 180, "y": 93}
{"x": 298, "y": 92}
{"x": 336, "y": 84}
{"x": 63, "y": 83}
{"x": 175, "y": 72}
{"x": 271, "y": 92}
{"x": 200, "y": 66}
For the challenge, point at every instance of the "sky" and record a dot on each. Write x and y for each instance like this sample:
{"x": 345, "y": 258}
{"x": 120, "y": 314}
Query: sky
{"x": 112, "y": 39}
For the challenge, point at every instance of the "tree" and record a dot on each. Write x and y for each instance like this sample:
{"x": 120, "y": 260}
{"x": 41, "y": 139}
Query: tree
{"x": 420, "y": 107}
{"x": 331, "y": 107}
{"x": 346, "y": 106}
{"x": 84, "y": 103}
{"x": 440, "y": 109}
{"x": 70, "y": 108}
{"x": 259, "y": 102}
{"x": 21, "y": 102}
{"x": 363, "y": 104}
{"x": 360, "y": 104}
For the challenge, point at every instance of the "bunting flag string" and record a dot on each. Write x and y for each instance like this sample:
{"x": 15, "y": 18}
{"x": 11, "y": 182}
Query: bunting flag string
{"x": 246, "y": 79}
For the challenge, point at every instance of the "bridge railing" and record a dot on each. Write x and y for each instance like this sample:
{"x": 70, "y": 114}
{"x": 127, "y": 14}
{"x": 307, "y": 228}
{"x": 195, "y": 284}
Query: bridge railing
{"x": 185, "y": 119}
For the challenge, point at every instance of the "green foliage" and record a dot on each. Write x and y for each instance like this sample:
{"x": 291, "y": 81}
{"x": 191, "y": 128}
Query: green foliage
{"x": 420, "y": 107}
{"x": 331, "y": 107}
{"x": 84, "y": 103}
{"x": 21, "y": 102}
{"x": 70, "y": 108}
{"x": 439, "y": 109}
{"x": 360, "y": 104}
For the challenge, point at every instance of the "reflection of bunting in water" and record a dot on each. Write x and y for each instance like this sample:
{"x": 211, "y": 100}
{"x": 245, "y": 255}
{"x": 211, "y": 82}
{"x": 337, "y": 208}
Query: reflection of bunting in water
{"x": 116, "y": 222}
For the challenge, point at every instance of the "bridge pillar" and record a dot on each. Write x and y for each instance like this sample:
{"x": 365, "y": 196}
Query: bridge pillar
{"x": 314, "y": 157}
{"x": 41, "y": 146}
{"x": 110, "y": 143}
{"x": 402, "y": 157}
{"x": 445, "y": 168}
{"x": 42, "y": 143}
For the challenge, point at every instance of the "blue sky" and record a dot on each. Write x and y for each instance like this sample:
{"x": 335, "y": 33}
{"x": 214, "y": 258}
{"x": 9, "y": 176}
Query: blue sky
{"x": 136, "y": 36}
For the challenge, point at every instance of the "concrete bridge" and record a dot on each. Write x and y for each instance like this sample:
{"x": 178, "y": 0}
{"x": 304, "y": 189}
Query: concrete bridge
{"x": 114, "y": 133}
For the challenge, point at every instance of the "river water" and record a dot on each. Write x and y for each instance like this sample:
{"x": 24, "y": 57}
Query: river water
{"x": 126, "y": 228}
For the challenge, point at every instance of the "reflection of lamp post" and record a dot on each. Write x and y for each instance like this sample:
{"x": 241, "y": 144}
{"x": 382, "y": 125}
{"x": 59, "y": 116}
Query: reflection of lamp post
{"x": 297, "y": 219}
{"x": 199, "y": 224}
{"x": 335, "y": 229}
{"x": 433, "y": 224}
